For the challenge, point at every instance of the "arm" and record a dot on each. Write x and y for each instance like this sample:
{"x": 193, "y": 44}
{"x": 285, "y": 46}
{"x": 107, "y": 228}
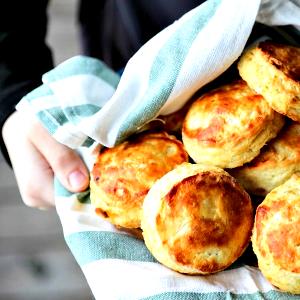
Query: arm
{"x": 35, "y": 156}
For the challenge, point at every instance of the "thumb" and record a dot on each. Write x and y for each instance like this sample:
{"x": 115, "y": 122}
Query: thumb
{"x": 69, "y": 168}
{"x": 66, "y": 164}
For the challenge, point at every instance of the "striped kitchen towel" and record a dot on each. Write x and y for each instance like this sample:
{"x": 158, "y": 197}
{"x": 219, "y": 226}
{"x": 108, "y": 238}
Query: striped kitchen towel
{"x": 83, "y": 103}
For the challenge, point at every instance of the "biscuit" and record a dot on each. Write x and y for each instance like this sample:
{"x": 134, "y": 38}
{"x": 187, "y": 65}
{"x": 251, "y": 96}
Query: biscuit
{"x": 273, "y": 70}
{"x": 276, "y": 163}
{"x": 228, "y": 126}
{"x": 122, "y": 176}
{"x": 197, "y": 219}
{"x": 171, "y": 123}
{"x": 276, "y": 236}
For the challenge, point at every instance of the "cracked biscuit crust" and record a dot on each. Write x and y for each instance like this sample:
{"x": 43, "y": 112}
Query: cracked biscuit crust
{"x": 276, "y": 236}
{"x": 228, "y": 126}
{"x": 122, "y": 176}
{"x": 273, "y": 70}
{"x": 275, "y": 164}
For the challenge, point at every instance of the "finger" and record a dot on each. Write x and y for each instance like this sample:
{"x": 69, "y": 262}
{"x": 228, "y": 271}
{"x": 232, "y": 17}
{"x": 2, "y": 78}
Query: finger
{"x": 33, "y": 174}
{"x": 35, "y": 179}
{"x": 65, "y": 162}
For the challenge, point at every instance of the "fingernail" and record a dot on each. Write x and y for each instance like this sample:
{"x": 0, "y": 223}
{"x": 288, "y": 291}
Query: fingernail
{"x": 77, "y": 179}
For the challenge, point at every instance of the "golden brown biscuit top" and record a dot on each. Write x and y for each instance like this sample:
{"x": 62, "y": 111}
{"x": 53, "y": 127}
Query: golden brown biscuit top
{"x": 127, "y": 171}
{"x": 227, "y": 114}
{"x": 278, "y": 227}
{"x": 283, "y": 57}
{"x": 285, "y": 147}
{"x": 202, "y": 213}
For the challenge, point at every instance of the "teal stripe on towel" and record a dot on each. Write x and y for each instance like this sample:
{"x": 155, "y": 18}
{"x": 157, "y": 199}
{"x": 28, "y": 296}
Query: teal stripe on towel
{"x": 80, "y": 65}
{"x": 61, "y": 191}
{"x": 39, "y": 92}
{"x": 77, "y": 113}
{"x": 270, "y": 295}
{"x": 88, "y": 142}
{"x": 166, "y": 67}
{"x": 52, "y": 118}
{"x": 89, "y": 246}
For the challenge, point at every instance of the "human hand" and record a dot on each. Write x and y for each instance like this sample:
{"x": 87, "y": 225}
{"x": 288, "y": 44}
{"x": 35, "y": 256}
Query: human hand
{"x": 36, "y": 156}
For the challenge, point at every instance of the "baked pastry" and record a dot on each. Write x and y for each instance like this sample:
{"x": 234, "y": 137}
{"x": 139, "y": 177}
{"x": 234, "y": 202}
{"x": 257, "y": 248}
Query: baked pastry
{"x": 122, "y": 176}
{"x": 171, "y": 123}
{"x": 273, "y": 70}
{"x": 197, "y": 219}
{"x": 276, "y": 236}
{"x": 228, "y": 126}
{"x": 276, "y": 163}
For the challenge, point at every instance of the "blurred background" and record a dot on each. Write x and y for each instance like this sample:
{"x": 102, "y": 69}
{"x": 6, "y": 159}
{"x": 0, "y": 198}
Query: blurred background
{"x": 35, "y": 262}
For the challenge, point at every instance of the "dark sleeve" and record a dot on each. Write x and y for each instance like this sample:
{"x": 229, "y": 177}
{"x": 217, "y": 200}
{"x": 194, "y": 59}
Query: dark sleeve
{"x": 113, "y": 30}
{"x": 24, "y": 55}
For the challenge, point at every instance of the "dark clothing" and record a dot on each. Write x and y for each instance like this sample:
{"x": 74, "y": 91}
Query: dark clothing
{"x": 111, "y": 30}
{"x": 24, "y": 56}
{"x": 114, "y": 30}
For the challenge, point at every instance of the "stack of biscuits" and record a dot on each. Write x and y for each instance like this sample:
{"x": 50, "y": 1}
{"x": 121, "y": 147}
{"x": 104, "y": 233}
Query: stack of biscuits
{"x": 191, "y": 194}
